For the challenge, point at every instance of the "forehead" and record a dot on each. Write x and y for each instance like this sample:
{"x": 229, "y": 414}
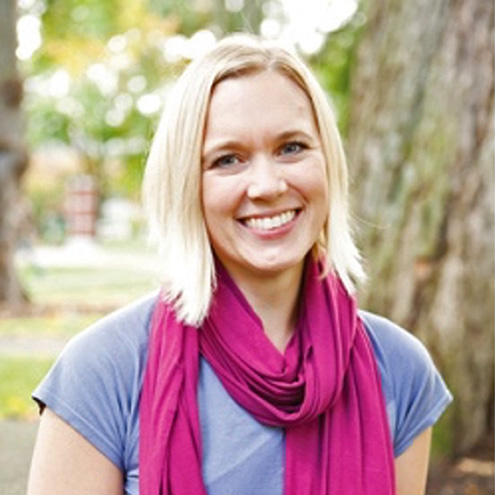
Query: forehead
{"x": 251, "y": 84}
{"x": 268, "y": 97}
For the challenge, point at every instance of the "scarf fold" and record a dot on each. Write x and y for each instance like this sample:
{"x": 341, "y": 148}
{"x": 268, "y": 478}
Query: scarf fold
{"x": 325, "y": 390}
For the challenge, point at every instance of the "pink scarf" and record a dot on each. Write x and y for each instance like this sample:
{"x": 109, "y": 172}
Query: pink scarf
{"x": 325, "y": 390}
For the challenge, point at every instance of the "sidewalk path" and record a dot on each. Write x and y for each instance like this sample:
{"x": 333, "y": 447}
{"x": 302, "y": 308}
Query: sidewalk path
{"x": 82, "y": 253}
{"x": 26, "y": 346}
{"x": 16, "y": 446}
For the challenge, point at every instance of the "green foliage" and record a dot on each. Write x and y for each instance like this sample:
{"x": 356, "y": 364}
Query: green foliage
{"x": 443, "y": 442}
{"x": 47, "y": 200}
{"x": 101, "y": 122}
{"x": 334, "y": 63}
{"x": 195, "y": 15}
{"x": 82, "y": 18}
{"x": 76, "y": 31}
{"x": 189, "y": 16}
{"x": 46, "y": 123}
{"x": 100, "y": 62}
{"x": 83, "y": 87}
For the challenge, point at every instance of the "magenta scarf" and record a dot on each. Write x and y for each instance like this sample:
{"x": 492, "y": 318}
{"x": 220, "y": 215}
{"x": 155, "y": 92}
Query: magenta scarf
{"x": 325, "y": 390}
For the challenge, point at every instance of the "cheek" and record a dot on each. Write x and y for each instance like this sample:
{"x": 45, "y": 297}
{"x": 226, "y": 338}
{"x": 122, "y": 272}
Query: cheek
{"x": 209, "y": 194}
{"x": 320, "y": 183}
{"x": 205, "y": 198}
{"x": 325, "y": 198}
{"x": 313, "y": 185}
{"x": 209, "y": 210}
{"x": 218, "y": 198}
{"x": 316, "y": 191}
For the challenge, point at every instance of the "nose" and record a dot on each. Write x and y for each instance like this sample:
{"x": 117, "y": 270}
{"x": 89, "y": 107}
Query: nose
{"x": 266, "y": 179}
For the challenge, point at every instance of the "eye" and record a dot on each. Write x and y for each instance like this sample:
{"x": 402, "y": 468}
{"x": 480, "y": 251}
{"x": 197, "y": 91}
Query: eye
{"x": 225, "y": 161}
{"x": 292, "y": 148}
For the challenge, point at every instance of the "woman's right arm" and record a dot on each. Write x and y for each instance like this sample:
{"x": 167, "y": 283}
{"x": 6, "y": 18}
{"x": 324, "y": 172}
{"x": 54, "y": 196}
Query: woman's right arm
{"x": 64, "y": 462}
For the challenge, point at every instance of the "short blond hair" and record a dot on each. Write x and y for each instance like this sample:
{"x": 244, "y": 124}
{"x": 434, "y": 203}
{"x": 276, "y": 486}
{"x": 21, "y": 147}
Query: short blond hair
{"x": 172, "y": 181}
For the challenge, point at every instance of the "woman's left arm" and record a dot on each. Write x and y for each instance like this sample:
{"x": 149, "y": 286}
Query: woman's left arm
{"x": 411, "y": 467}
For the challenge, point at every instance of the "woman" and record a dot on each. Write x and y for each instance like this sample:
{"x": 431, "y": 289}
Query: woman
{"x": 252, "y": 371}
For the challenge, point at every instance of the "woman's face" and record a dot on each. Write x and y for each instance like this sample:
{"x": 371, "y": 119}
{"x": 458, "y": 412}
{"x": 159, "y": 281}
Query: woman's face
{"x": 264, "y": 185}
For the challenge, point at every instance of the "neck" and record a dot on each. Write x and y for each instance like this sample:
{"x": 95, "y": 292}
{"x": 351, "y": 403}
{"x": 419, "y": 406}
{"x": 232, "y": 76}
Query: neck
{"x": 274, "y": 298}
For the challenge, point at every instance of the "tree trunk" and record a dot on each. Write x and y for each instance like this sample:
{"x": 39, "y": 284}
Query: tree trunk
{"x": 13, "y": 156}
{"x": 421, "y": 158}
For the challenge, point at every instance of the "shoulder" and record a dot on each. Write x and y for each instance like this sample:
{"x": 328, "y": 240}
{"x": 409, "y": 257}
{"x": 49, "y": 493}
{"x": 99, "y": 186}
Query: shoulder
{"x": 125, "y": 330}
{"x": 393, "y": 344}
{"x": 109, "y": 356}
{"x": 400, "y": 356}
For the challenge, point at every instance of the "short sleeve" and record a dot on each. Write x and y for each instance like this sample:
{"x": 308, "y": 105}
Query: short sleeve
{"x": 94, "y": 384}
{"x": 414, "y": 390}
{"x": 422, "y": 396}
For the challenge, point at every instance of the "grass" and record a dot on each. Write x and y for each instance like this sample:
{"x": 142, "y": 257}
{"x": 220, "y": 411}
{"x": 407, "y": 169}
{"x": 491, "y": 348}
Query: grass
{"x": 57, "y": 325}
{"x": 18, "y": 378}
{"x": 85, "y": 286}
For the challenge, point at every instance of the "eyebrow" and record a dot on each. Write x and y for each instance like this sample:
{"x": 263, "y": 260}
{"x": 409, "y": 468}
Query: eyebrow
{"x": 218, "y": 148}
{"x": 294, "y": 133}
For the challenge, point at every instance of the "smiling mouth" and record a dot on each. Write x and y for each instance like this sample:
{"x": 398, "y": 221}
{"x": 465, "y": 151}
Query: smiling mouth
{"x": 270, "y": 223}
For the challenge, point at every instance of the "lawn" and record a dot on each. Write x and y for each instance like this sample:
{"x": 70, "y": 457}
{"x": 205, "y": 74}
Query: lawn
{"x": 57, "y": 324}
{"x": 18, "y": 377}
{"x": 86, "y": 287}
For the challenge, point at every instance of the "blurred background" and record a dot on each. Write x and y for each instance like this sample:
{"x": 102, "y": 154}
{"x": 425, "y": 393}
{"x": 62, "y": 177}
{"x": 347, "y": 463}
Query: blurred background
{"x": 82, "y": 84}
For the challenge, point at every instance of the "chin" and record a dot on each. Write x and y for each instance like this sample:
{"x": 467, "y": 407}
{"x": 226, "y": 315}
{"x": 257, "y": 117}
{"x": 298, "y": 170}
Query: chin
{"x": 276, "y": 265}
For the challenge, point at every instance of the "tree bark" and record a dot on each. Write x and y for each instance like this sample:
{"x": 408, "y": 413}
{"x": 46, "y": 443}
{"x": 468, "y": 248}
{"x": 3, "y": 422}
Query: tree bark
{"x": 13, "y": 156}
{"x": 420, "y": 151}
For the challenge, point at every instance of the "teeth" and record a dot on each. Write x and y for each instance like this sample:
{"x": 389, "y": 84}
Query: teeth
{"x": 268, "y": 223}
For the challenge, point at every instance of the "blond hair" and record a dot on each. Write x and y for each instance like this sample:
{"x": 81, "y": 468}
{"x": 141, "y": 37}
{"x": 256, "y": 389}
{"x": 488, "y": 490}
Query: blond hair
{"x": 172, "y": 181}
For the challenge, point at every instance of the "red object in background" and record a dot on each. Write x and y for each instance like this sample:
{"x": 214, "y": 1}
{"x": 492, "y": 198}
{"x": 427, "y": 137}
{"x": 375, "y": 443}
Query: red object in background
{"x": 81, "y": 206}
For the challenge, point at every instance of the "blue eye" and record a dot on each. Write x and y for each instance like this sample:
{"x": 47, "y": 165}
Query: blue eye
{"x": 292, "y": 148}
{"x": 226, "y": 161}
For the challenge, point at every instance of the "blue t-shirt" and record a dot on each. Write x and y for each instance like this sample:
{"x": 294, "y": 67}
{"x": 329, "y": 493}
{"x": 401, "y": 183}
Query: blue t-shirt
{"x": 96, "y": 382}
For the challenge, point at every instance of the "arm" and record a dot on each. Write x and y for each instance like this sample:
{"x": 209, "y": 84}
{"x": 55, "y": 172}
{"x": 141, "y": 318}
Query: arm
{"x": 65, "y": 462}
{"x": 411, "y": 467}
